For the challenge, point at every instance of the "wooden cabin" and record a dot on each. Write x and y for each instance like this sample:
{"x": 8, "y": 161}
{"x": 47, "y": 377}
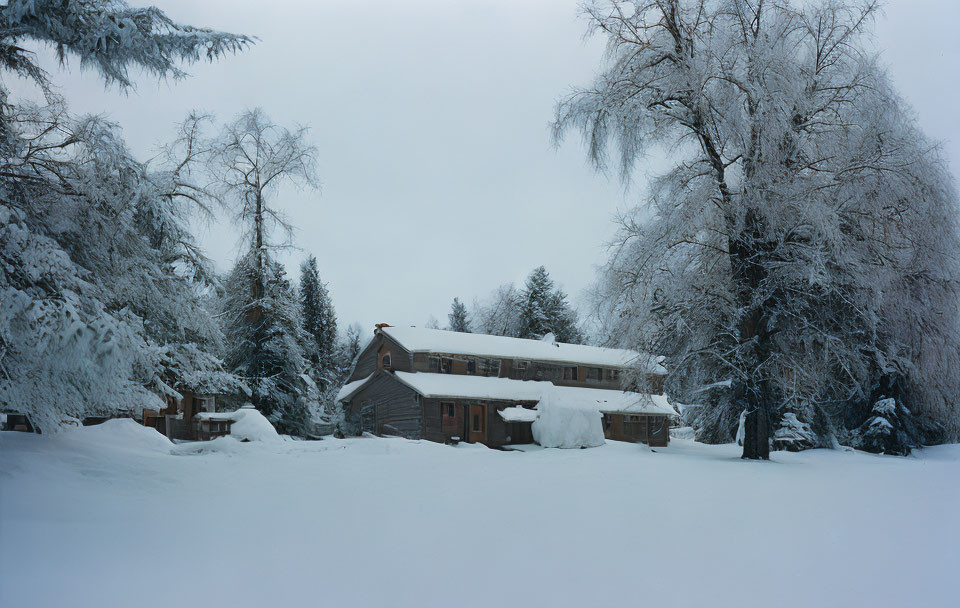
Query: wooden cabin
{"x": 210, "y": 425}
{"x": 445, "y": 386}
{"x": 436, "y": 351}
{"x": 178, "y": 420}
{"x": 482, "y": 410}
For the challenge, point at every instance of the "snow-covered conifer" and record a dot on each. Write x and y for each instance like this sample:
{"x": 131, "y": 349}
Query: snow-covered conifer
{"x": 319, "y": 323}
{"x": 544, "y": 309}
{"x": 458, "y": 317}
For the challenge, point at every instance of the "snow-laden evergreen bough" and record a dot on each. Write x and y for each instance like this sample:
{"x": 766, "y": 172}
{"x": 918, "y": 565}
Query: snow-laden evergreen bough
{"x": 102, "y": 284}
{"x": 804, "y": 245}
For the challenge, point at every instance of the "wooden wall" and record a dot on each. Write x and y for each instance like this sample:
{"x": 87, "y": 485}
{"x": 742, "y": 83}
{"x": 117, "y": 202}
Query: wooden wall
{"x": 499, "y": 432}
{"x": 370, "y": 360}
{"x": 652, "y": 430}
{"x": 387, "y": 406}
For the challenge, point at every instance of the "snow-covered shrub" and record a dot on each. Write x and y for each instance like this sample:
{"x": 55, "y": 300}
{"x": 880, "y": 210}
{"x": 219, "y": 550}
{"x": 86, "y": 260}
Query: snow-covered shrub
{"x": 251, "y": 425}
{"x": 883, "y": 432}
{"x": 561, "y": 424}
{"x": 793, "y": 435}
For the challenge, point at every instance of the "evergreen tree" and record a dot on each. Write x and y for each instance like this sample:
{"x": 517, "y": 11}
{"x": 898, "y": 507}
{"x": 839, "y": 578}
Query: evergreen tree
{"x": 544, "y": 309}
{"x": 101, "y": 281}
{"x": 536, "y": 304}
{"x": 265, "y": 336}
{"x": 349, "y": 350}
{"x": 458, "y": 317}
{"x": 319, "y": 323}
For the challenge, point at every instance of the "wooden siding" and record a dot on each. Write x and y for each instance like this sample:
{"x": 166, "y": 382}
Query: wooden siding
{"x": 370, "y": 360}
{"x": 652, "y": 430}
{"x": 367, "y": 361}
{"x": 498, "y": 432}
{"x": 386, "y": 406}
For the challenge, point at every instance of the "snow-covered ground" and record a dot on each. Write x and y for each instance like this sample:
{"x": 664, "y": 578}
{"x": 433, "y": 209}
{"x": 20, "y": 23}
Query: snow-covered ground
{"x": 114, "y": 516}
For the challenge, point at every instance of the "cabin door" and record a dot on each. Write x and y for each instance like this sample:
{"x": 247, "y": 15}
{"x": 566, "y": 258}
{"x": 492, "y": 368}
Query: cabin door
{"x": 478, "y": 423}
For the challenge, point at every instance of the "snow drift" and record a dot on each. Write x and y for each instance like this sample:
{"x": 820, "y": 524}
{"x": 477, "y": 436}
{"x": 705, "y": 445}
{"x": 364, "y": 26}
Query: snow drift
{"x": 123, "y": 433}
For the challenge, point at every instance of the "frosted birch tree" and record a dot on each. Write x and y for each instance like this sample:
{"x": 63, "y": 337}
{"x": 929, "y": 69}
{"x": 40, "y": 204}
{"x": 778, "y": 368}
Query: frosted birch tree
{"x": 804, "y": 245}
{"x": 251, "y": 158}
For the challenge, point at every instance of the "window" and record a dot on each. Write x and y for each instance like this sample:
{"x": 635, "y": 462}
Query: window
{"x": 613, "y": 374}
{"x": 477, "y": 422}
{"x": 606, "y": 421}
{"x": 471, "y": 366}
{"x": 570, "y": 373}
{"x": 385, "y": 361}
{"x": 446, "y": 365}
{"x": 595, "y": 373}
{"x": 520, "y": 365}
{"x": 490, "y": 367}
{"x": 447, "y": 409}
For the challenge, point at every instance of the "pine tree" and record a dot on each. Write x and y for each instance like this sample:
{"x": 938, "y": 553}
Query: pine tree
{"x": 319, "y": 323}
{"x": 458, "y": 317}
{"x": 349, "y": 350}
{"x": 101, "y": 281}
{"x": 536, "y": 305}
{"x": 544, "y": 309}
{"x": 265, "y": 336}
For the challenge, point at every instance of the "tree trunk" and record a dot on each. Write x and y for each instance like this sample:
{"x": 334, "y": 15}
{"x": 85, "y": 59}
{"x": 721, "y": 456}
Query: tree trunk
{"x": 747, "y": 263}
{"x": 756, "y": 438}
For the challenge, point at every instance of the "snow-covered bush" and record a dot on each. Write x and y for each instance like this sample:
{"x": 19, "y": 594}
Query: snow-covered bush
{"x": 561, "y": 424}
{"x": 883, "y": 432}
{"x": 251, "y": 425}
{"x": 793, "y": 435}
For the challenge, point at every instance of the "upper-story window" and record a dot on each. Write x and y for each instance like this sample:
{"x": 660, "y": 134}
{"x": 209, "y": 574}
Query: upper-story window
{"x": 595, "y": 374}
{"x": 613, "y": 374}
{"x": 570, "y": 373}
{"x": 471, "y": 366}
{"x": 446, "y": 365}
{"x": 520, "y": 366}
{"x": 385, "y": 361}
{"x": 490, "y": 367}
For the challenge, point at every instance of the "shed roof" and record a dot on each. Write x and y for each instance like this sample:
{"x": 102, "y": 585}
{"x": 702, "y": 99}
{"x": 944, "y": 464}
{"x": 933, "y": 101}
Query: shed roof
{"x": 423, "y": 340}
{"x": 505, "y": 389}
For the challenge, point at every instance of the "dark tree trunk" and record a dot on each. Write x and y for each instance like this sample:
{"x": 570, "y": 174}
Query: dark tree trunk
{"x": 749, "y": 273}
{"x": 756, "y": 439}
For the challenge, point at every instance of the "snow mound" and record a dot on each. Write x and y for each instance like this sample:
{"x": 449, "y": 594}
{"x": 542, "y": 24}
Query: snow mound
{"x": 562, "y": 424}
{"x": 251, "y": 425}
{"x": 125, "y": 433}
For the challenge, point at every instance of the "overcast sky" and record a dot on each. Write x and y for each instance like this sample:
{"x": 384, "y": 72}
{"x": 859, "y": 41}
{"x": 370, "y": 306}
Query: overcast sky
{"x": 431, "y": 120}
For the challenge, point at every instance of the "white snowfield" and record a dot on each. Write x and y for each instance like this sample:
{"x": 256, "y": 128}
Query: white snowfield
{"x": 116, "y": 516}
{"x": 423, "y": 340}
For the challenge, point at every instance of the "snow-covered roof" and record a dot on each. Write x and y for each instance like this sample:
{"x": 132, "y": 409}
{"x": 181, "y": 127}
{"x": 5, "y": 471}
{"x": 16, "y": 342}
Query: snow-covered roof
{"x": 518, "y": 414}
{"x": 423, "y": 340}
{"x": 248, "y": 423}
{"x": 506, "y": 389}
{"x": 351, "y": 387}
{"x": 224, "y": 416}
